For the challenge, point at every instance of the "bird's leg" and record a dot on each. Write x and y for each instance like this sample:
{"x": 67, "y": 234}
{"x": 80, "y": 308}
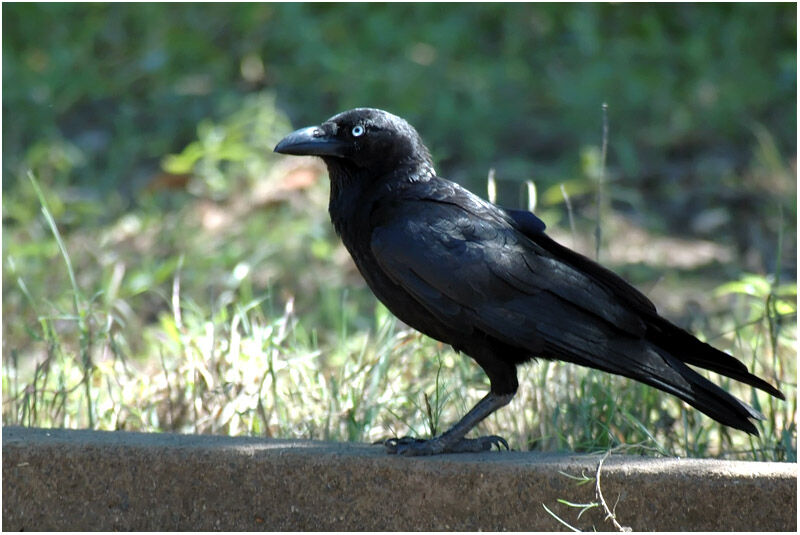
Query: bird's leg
{"x": 452, "y": 440}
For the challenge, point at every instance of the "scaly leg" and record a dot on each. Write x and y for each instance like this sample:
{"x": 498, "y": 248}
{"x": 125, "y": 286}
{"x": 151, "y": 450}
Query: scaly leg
{"x": 452, "y": 440}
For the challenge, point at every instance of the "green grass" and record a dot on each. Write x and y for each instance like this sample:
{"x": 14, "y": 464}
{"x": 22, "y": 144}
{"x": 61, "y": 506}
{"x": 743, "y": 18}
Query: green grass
{"x": 230, "y": 307}
{"x": 187, "y": 342}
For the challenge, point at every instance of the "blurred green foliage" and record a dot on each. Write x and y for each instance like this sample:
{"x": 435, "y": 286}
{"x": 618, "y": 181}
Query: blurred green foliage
{"x": 514, "y": 86}
{"x": 96, "y": 95}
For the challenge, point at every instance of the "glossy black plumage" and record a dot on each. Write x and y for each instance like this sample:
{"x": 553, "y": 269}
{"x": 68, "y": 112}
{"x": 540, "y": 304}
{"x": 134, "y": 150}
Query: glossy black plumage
{"x": 491, "y": 283}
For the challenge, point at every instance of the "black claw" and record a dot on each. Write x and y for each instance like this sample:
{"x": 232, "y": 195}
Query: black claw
{"x": 412, "y": 447}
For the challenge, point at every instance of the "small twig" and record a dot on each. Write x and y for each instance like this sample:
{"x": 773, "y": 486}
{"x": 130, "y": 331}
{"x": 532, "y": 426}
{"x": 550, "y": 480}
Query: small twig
{"x": 429, "y": 413}
{"x": 598, "y": 232}
{"x": 609, "y": 513}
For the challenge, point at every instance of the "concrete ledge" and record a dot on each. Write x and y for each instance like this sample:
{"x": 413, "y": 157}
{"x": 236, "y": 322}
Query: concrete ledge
{"x": 85, "y": 480}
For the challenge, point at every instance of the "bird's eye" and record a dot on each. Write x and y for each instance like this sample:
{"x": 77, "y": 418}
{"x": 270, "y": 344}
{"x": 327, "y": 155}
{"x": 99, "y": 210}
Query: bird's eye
{"x": 357, "y": 130}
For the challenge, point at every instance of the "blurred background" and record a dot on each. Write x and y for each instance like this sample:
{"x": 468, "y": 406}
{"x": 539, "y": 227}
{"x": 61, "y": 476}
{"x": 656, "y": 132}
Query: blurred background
{"x": 164, "y": 270}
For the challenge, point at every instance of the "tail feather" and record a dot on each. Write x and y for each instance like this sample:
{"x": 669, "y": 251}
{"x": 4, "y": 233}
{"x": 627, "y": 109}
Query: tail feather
{"x": 659, "y": 368}
{"x": 692, "y": 351}
{"x": 664, "y": 364}
{"x": 712, "y": 400}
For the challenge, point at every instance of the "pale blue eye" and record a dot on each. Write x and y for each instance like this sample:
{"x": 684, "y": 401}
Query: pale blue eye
{"x": 357, "y": 130}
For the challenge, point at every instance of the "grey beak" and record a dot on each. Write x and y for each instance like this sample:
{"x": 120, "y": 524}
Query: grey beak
{"x": 310, "y": 141}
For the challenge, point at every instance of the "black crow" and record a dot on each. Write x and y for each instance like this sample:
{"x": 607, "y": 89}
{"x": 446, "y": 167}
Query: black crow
{"x": 490, "y": 283}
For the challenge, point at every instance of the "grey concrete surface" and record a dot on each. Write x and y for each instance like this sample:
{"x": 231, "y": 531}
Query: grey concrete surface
{"x": 86, "y": 480}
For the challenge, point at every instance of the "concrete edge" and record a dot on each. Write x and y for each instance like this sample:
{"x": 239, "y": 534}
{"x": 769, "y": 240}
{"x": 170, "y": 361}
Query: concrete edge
{"x": 88, "y": 480}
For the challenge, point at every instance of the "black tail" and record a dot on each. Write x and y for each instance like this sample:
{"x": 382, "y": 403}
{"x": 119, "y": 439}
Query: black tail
{"x": 661, "y": 369}
{"x": 664, "y": 364}
{"x": 690, "y": 350}
{"x": 679, "y": 348}
{"x": 712, "y": 400}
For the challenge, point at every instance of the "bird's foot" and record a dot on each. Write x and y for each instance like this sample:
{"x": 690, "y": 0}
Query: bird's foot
{"x": 412, "y": 447}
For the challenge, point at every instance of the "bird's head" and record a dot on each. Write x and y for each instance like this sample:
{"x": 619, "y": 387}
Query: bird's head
{"x": 363, "y": 141}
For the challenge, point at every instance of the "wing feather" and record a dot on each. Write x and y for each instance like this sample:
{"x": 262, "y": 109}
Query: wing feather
{"x": 461, "y": 266}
